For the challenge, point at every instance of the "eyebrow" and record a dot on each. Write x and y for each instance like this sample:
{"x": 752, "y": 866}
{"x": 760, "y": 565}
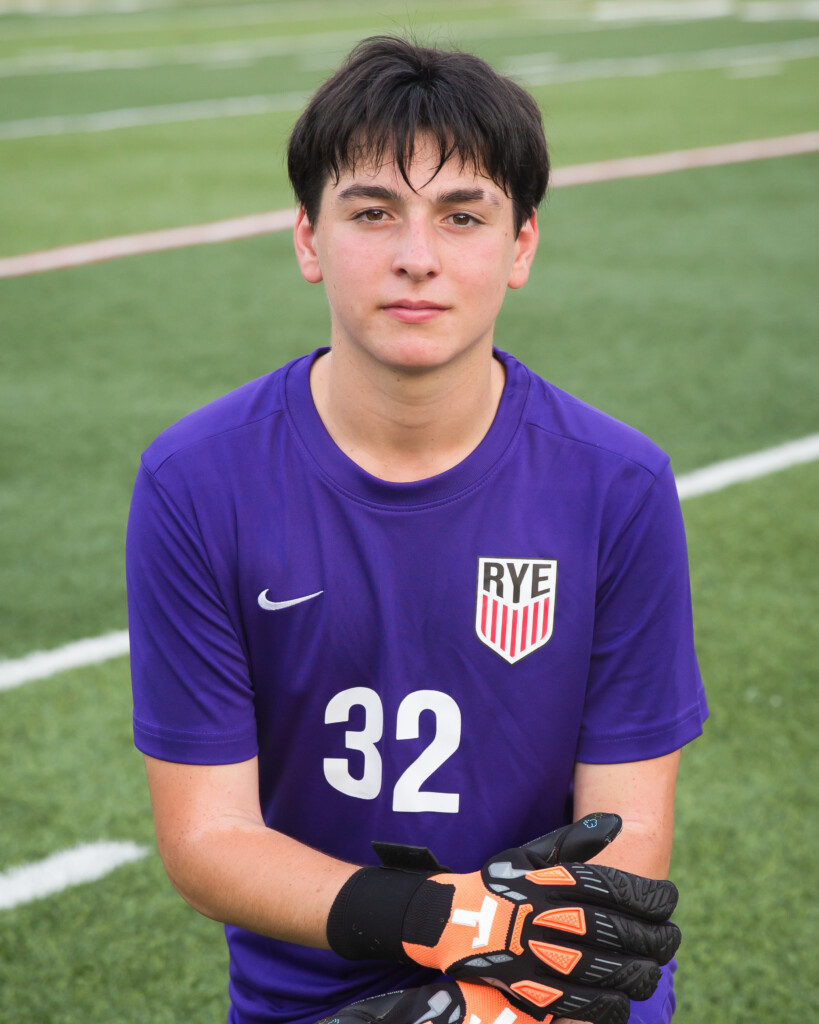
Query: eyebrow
{"x": 468, "y": 195}
{"x": 452, "y": 197}
{"x": 369, "y": 192}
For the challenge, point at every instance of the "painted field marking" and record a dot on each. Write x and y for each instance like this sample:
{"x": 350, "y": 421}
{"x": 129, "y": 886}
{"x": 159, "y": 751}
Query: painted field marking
{"x": 720, "y": 475}
{"x": 781, "y": 10}
{"x": 283, "y": 220}
{"x": 708, "y": 480}
{"x": 81, "y": 61}
{"x": 687, "y": 159}
{"x": 535, "y": 69}
{"x": 160, "y": 12}
{"x": 663, "y": 10}
{"x": 141, "y": 117}
{"x": 338, "y": 41}
{"x": 542, "y": 69}
{"x": 85, "y": 863}
{"x": 703, "y": 10}
{"x": 147, "y": 242}
{"x": 42, "y": 664}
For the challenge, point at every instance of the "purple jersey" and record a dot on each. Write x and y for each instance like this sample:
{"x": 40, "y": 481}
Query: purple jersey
{"x": 413, "y": 662}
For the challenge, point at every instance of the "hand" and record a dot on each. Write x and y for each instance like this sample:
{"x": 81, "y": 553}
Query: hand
{"x": 531, "y": 924}
{"x": 558, "y": 936}
{"x": 433, "y": 1004}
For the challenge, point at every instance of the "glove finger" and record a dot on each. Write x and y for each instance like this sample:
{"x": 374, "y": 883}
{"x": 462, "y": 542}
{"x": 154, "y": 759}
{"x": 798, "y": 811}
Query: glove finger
{"x": 547, "y": 1000}
{"x": 603, "y": 929}
{"x": 651, "y": 899}
{"x": 579, "y": 841}
{"x": 431, "y": 1004}
{"x": 604, "y": 958}
{"x": 634, "y": 976}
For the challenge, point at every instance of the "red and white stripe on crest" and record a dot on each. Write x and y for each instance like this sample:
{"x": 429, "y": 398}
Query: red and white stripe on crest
{"x": 514, "y": 613}
{"x": 516, "y": 631}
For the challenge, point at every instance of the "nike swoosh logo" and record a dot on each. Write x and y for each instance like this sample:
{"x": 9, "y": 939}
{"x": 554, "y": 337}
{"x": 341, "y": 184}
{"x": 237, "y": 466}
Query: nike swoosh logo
{"x": 275, "y": 606}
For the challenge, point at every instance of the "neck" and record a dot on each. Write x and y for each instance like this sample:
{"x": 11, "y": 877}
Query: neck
{"x": 403, "y": 425}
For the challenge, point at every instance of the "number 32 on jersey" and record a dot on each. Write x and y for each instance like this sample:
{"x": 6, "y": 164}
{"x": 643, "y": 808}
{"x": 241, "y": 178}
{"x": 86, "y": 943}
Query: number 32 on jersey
{"x": 407, "y": 794}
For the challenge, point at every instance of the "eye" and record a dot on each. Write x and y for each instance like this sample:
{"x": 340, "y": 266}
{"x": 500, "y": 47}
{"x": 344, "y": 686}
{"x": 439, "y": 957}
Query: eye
{"x": 373, "y": 216}
{"x": 462, "y": 220}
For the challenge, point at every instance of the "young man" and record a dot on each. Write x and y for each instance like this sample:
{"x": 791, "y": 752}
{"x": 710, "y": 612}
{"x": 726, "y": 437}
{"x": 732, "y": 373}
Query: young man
{"x": 404, "y": 590}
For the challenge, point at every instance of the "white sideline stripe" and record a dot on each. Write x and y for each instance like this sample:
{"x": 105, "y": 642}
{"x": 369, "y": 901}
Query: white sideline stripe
{"x": 662, "y": 10}
{"x": 535, "y": 69}
{"x": 282, "y": 220}
{"x": 42, "y": 664}
{"x": 147, "y": 242}
{"x": 542, "y": 69}
{"x": 334, "y": 43}
{"x": 85, "y": 863}
{"x": 300, "y": 10}
{"x": 702, "y": 10}
{"x": 748, "y": 467}
{"x": 781, "y": 10}
{"x": 708, "y": 480}
{"x": 141, "y": 117}
{"x": 687, "y": 159}
{"x": 79, "y": 61}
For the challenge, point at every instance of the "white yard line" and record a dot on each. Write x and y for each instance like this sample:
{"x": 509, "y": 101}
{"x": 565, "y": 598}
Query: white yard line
{"x": 67, "y": 62}
{"x": 111, "y": 14}
{"x": 86, "y": 863}
{"x": 533, "y": 69}
{"x": 309, "y": 44}
{"x": 543, "y": 69}
{"x": 147, "y": 242}
{"x": 641, "y": 11}
{"x": 781, "y": 10}
{"x": 686, "y": 159}
{"x": 710, "y": 479}
{"x": 282, "y": 220}
{"x": 748, "y": 467}
{"x": 139, "y": 117}
{"x": 663, "y": 10}
{"x": 538, "y": 69}
{"x": 42, "y": 664}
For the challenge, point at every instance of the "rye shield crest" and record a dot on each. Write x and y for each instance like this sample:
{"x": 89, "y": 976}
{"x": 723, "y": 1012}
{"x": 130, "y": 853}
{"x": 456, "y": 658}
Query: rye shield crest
{"x": 515, "y": 610}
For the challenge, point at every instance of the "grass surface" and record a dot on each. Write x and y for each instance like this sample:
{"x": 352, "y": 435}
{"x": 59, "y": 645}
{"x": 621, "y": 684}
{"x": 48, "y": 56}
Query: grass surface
{"x": 684, "y": 304}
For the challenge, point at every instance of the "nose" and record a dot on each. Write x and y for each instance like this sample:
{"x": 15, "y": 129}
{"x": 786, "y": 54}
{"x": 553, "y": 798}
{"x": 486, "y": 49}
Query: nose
{"x": 416, "y": 253}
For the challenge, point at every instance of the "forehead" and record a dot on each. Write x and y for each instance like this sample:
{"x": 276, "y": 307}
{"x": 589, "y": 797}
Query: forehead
{"x": 425, "y": 173}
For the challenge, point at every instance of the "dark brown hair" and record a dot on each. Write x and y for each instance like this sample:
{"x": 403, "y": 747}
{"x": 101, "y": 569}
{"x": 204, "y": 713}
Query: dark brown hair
{"x": 389, "y": 90}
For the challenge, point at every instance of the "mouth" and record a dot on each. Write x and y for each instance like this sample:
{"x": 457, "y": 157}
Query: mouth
{"x": 414, "y": 312}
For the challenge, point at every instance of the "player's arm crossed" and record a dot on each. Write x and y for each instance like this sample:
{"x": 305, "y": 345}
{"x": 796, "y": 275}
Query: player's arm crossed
{"x": 227, "y": 864}
{"x": 642, "y": 793}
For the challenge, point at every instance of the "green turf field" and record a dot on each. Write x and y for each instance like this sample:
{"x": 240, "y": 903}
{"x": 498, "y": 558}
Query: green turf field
{"x": 683, "y": 303}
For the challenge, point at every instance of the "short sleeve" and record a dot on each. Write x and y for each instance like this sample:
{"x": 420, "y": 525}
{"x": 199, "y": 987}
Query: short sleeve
{"x": 645, "y": 696}
{"x": 193, "y": 699}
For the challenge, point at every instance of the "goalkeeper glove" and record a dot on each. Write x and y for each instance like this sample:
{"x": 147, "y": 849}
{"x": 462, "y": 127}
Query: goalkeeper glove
{"x": 442, "y": 1002}
{"x": 536, "y": 921}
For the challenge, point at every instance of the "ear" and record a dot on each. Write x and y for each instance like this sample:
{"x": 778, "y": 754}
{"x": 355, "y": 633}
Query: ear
{"x": 525, "y": 249}
{"x": 304, "y": 239}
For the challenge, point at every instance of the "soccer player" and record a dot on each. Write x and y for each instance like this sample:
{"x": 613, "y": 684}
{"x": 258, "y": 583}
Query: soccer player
{"x": 404, "y": 590}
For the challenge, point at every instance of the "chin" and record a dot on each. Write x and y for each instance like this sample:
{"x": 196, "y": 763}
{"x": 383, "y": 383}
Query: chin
{"x": 421, "y": 353}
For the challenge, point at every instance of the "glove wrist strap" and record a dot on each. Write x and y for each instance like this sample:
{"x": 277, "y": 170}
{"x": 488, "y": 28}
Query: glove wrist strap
{"x": 367, "y": 917}
{"x": 378, "y": 909}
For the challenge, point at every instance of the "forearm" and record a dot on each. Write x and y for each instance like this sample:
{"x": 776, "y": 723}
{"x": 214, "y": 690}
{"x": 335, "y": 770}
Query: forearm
{"x": 245, "y": 874}
{"x": 228, "y": 865}
{"x": 642, "y": 793}
{"x": 638, "y": 849}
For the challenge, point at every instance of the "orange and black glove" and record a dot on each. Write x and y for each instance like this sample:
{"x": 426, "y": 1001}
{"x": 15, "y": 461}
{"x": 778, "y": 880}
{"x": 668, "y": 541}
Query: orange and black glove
{"x": 555, "y": 935}
{"x": 439, "y": 1003}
